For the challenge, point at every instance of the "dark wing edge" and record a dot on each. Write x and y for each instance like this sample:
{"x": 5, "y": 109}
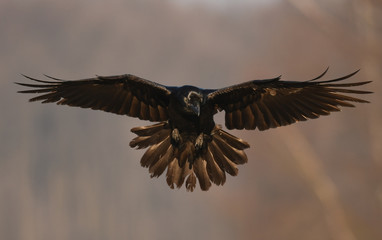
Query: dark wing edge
{"x": 121, "y": 94}
{"x": 272, "y": 103}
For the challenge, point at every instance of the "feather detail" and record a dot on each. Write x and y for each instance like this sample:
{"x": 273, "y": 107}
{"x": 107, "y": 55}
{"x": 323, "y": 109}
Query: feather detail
{"x": 200, "y": 169}
{"x": 191, "y": 182}
{"x": 221, "y": 152}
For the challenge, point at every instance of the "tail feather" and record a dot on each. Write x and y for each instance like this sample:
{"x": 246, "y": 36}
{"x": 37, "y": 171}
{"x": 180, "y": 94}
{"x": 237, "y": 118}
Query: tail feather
{"x": 222, "y": 160}
{"x": 156, "y": 169}
{"x": 221, "y": 153}
{"x": 172, "y": 174}
{"x": 191, "y": 182}
{"x": 200, "y": 169}
{"x": 148, "y": 130}
{"x": 235, "y": 155}
{"x": 149, "y": 135}
{"x": 186, "y": 153}
{"x": 176, "y": 174}
{"x": 235, "y": 142}
{"x": 154, "y": 153}
{"x": 142, "y": 142}
{"x": 215, "y": 172}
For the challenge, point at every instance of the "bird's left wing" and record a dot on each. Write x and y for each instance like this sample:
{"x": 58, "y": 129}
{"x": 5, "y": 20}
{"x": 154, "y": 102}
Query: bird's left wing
{"x": 271, "y": 103}
{"x": 123, "y": 94}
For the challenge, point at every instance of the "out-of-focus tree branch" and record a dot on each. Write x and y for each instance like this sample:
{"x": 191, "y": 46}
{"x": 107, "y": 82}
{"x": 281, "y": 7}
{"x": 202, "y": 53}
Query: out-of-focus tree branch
{"x": 366, "y": 20}
{"x": 313, "y": 11}
{"x": 320, "y": 182}
{"x": 365, "y": 13}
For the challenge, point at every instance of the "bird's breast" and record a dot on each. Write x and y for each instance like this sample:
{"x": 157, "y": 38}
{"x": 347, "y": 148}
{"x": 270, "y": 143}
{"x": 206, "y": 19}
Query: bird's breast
{"x": 192, "y": 123}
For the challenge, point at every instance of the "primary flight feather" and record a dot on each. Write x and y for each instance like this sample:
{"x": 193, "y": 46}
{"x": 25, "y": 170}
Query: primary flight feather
{"x": 186, "y": 140}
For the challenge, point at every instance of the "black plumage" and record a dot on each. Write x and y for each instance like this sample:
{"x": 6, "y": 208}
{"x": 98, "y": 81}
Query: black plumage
{"x": 186, "y": 140}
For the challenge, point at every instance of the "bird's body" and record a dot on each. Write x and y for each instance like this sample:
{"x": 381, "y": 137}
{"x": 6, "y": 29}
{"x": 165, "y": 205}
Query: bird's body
{"x": 186, "y": 140}
{"x": 189, "y": 143}
{"x": 198, "y": 117}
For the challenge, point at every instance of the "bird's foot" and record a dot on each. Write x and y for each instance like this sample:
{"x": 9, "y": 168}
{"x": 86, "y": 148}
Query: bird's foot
{"x": 199, "y": 142}
{"x": 175, "y": 136}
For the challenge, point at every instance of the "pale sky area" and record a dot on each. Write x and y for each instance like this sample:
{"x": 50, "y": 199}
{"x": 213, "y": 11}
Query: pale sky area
{"x": 224, "y": 4}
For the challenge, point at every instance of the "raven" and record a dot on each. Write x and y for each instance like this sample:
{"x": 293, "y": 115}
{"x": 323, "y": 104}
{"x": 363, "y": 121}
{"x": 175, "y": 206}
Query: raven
{"x": 186, "y": 140}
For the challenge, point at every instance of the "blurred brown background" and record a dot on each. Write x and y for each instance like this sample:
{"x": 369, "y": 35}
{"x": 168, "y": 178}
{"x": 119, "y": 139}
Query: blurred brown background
{"x": 68, "y": 173}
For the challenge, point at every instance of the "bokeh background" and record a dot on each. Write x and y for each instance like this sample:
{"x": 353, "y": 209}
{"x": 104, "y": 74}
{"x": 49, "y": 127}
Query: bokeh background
{"x": 68, "y": 173}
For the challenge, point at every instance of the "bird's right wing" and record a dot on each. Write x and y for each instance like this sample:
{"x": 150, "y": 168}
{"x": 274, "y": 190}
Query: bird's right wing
{"x": 271, "y": 103}
{"x": 122, "y": 94}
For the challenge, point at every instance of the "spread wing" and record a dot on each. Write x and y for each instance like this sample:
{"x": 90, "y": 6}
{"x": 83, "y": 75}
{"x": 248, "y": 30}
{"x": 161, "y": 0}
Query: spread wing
{"x": 272, "y": 103}
{"x": 122, "y": 94}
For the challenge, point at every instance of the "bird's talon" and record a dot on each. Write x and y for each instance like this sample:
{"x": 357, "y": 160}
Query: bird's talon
{"x": 199, "y": 142}
{"x": 175, "y": 136}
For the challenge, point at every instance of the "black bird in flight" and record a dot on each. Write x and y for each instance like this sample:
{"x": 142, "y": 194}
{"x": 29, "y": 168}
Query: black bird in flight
{"x": 186, "y": 140}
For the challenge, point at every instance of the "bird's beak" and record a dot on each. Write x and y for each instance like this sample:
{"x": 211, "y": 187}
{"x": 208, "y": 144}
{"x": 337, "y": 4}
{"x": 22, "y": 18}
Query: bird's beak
{"x": 196, "y": 109}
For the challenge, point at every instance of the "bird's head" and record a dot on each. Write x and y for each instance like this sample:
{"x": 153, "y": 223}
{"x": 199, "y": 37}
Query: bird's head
{"x": 191, "y": 99}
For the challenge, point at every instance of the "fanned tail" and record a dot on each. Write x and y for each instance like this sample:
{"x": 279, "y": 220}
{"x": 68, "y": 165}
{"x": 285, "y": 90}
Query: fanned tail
{"x": 221, "y": 152}
{"x": 224, "y": 153}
